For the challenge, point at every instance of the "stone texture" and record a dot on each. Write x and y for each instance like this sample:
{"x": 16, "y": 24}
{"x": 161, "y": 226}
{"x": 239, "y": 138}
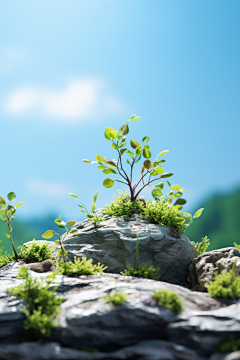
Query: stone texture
{"x": 44, "y": 266}
{"x": 202, "y": 268}
{"x": 87, "y": 320}
{"x": 113, "y": 243}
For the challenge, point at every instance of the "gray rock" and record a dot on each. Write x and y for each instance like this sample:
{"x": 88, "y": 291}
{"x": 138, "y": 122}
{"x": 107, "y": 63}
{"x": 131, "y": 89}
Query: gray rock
{"x": 113, "y": 243}
{"x": 202, "y": 268}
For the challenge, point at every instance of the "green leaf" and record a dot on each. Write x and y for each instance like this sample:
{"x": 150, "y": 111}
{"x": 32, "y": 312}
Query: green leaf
{"x": 122, "y": 151}
{"x": 89, "y": 216}
{"x": 236, "y": 246}
{"x": 156, "y": 192}
{"x": 87, "y": 161}
{"x": 57, "y": 242}
{"x": 160, "y": 185}
{"x": 7, "y": 235}
{"x": 139, "y": 150}
{"x": 108, "y": 183}
{"x": 3, "y": 212}
{"x": 133, "y": 118}
{"x": 65, "y": 251}
{"x": 109, "y": 161}
{"x": 124, "y": 129}
{"x": 107, "y": 171}
{"x": 93, "y": 207}
{"x": 159, "y": 170}
{"x": 99, "y": 158}
{"x": 11, "y": 196}
{"x": 48, "y": 234}
{"x": 115, "y": 146}
{"x": 102, "y": 167}
{"x": 107, "y": 133}
{"x": 187, "y": 216}
{"x": 147, "y": 164}
{"x": 113, "y": 134}
{"x": 59, "y": 253}
{"x": 179, "y": 207}
{"x": 19, "y": 204}
{"x": 75, "y": 196}
{"x": 2, "y": 201}
{"x": 145, "y": 139}
{"x": 177, "y": 187}
{"x": 134, "y": 144}
{"x": 3, "y": 218}
{"x": 163, "y": 152}
{"x": 154, "y": 173}
{"x": 180, "y": 201}
{"x": 71, "y": 222}
{"x": 95, "y": 197}
{"x": 130, "y": 153}
{"x": 138, "y": 159}
{"x": 122, "y": 144}
{"x": 198, "y": 213}
{"x": 168, "y": 183}
{"x": 73, "y": 231}
{"x": 166, "y": 175}
{"x": 58, "y": 219}
{"x": 146, "y": 153}
{"x": 177, "y": 195}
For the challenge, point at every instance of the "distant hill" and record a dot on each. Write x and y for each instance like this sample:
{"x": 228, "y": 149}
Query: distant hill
{"x": 220, "y": 221}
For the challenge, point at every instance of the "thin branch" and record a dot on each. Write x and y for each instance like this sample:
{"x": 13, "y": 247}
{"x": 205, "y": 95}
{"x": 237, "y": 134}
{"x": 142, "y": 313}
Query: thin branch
{"x": 121, "y": 182}
{"x": 146, "y": 185}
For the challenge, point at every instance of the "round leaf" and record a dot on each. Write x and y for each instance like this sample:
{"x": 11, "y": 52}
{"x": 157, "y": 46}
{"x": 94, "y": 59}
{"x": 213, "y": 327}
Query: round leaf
{"x": 73, "y": 231}
{"x": 71, "y": 222}
{"x": 180, "y": 201}
{"x": 134, "y": 144}
{"x": 145, "y": 139}
{"x": 166, "y": 175}
{"x": 177, "y": 194}
{"x": 108, "y": 132}
{"x": 156, "y": 192}
{"x": 99, "y": 158}
{"x": 108, "y": 183}
{"x": 102, "y": 167}
{"x": 124, "y": 129}
{"x": 113, "y": 134}
{"x": 48, "y": 234}
{"x": 57, "y": 242}
{"x": 163, "y": 152}
{"x": 198, "y": 213}
{"x": 159, "y": 170}
{"x": 160, "y": 185}
{"x": 177, "y": 187}
{"x": 11, "y": 196}
{"x": 2, "y": 201}
{"x": 147, "y": 164}
{"x": 115, "y": 146}
{"x": 107, "y": 171}
{"x": 122, "y": 151}
{"x": 146, "y": 153}
{"x": 130, "y": 153}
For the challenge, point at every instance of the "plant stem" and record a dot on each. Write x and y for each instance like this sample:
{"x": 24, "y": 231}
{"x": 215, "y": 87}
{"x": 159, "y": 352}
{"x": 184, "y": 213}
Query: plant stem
{"x": 10, "y": 231}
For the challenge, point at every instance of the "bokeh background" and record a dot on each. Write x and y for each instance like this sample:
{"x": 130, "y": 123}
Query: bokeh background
{"x": 69, "y": 69}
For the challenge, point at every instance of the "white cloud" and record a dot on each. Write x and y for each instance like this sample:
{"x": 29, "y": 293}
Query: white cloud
{"x": 50, "y": 189}
{"x": 80, "y": 99}
{"x": 11, "y": 58}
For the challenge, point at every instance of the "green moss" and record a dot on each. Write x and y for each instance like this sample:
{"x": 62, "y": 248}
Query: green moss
{"x": 230, "y": 345}
{"x": 42, "y": 305}
{"x": 161, "y": 213}
{"x": 202, "y": 246}
{"x": 36, "y": 252}
{"x": 146, "y": 271}
{"x": 168, "y": 299}
{"x": 123, "y": 206}
{"x": 5, "y": 258}
{"x": 116, "y": 298}
{"x": 79, "y": 267}
{"x": 225, "y": 285}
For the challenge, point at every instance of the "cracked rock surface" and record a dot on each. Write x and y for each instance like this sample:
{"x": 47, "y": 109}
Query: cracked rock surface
{"x": 139, "y": 329}
{"x": 113, "y": 243}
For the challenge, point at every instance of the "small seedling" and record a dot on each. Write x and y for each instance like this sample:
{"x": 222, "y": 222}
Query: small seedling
{"x": 7, "y": 215}
{"x": 202, "y": 246}
{"x": 225, "y": 285}
{"x": 94, "y": 218}
{"x": 62, "y": 225}
{"x": 168, "y": 299}
{"x": 116, "y": 298}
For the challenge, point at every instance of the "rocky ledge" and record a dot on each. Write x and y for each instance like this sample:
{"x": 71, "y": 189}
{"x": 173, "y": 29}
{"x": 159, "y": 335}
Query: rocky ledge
{"x": 140, "y": 329}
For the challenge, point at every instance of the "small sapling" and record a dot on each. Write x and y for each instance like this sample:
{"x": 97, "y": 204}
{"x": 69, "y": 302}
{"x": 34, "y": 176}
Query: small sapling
{"x": 62, "y": 225}
{"x": 7, "y": 215}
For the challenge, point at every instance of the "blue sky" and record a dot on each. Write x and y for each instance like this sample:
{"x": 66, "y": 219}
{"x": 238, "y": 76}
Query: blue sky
{"x": 69, "y": 69}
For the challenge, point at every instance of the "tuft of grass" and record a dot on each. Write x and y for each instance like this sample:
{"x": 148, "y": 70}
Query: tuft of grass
{"x": 146, "y": 271}
{"x": 5, "y": 258}
{"x": 42, "y": 305}
{"x": 230, "y": 345}
{"x": 36, "y": 252}
{"x": 79, "y": 267}
{"x": 116, "y": 298}
{"x": 202, "y": 246}
{"x": 225, "y": 285}
{"x": 123, "y": 206}
{"x": 168, "y": 299}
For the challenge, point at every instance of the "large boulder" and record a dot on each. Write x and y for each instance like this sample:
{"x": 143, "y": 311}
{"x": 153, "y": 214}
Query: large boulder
{"x": 203, "y": 267}
{"x": 113, "y": 243}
